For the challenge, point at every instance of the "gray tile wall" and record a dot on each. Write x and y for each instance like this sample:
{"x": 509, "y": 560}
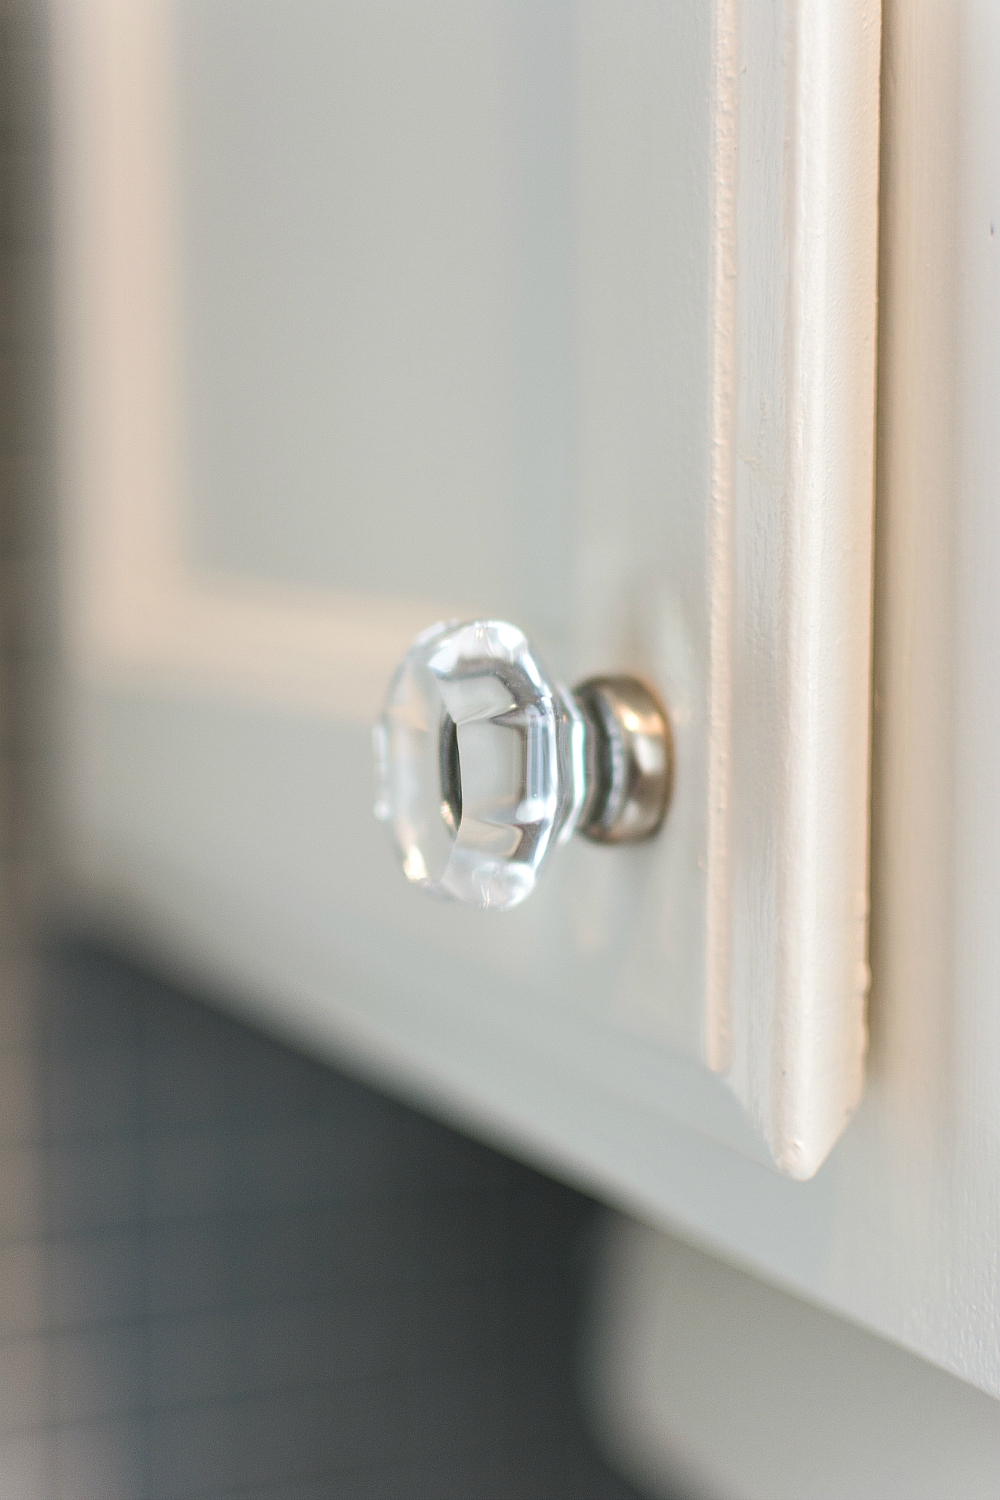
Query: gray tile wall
{"x": 226, "y": 1270}
{"x": 27, "y": 1455}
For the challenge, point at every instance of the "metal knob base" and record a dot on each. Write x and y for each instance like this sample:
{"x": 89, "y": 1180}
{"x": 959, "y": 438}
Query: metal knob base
{"x": 629, "y": 763}
{"x": 485, "y": 765}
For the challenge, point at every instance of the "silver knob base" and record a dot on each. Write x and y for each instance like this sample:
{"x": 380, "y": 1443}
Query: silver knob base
{"x": 629, "y": 759}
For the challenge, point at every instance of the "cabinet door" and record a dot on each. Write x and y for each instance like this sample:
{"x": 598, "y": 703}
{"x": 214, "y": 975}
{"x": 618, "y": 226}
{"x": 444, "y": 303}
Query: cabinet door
{"x": 562, "y": 313}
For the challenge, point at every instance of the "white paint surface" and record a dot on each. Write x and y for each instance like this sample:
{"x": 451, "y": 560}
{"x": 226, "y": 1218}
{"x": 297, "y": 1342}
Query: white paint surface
{"x": 901, "y": 1228}
{"x": 698, "y": 308}
{"x": 804, "y": 355}
{"x": 708, "y": 1383}
{"x": 211, "y": 809}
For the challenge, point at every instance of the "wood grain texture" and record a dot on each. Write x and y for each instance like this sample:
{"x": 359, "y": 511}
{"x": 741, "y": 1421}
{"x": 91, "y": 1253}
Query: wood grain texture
{"x": 800, "y": 619}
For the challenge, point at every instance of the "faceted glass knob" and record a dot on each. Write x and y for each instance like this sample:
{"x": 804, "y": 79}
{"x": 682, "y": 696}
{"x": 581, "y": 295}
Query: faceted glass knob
{"x": 484, "y": 765}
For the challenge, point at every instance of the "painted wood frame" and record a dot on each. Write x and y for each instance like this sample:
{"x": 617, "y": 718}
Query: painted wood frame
{"x": 784, "y": 676}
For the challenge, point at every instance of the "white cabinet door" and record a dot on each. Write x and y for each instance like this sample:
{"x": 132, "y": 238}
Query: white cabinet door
{"x": 563, "y": 313}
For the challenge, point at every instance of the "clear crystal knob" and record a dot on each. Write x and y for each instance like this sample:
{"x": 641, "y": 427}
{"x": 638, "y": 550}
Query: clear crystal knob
{"x": 484, "y": 765}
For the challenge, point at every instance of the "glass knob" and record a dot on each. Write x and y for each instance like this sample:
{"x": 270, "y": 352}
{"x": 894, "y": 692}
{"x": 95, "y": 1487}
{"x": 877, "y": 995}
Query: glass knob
{"x": 484, "y": 765}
